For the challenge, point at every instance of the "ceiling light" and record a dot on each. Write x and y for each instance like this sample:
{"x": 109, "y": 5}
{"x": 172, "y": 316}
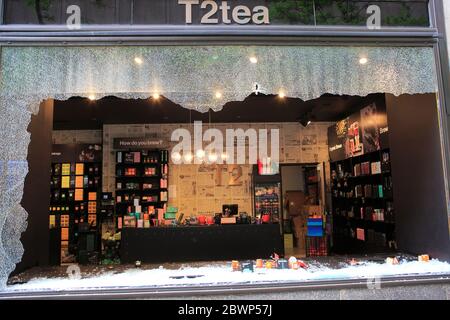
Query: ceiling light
{"x": 305, "y": 122}
{"x": 363, "y": 61}
{"x": 156, "y": 96}
{"x": 253, "y": 60}
{"x": 138, "y": 60}
{"x": 218, "y": 95}
{"x": 91, "y": 97}
{"x": 306, "y": 119}
{"x": 282, "y": 95}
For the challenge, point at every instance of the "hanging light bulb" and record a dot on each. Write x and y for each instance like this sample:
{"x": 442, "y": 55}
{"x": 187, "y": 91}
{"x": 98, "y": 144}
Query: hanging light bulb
{"x": 200, "y": 154}
{"x": 188, "y": 157}
{"x": 224, "y": 156}
{"x": 212, "y": 157}
{"x": 176, "y": 156}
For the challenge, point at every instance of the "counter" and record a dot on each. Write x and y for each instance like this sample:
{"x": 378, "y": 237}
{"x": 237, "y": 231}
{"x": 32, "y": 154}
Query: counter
{"x": 200, "y": 243}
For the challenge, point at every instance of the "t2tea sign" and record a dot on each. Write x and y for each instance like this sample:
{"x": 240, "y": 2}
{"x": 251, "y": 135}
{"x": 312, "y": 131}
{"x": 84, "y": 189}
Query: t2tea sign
{"x": 225, "y": 12}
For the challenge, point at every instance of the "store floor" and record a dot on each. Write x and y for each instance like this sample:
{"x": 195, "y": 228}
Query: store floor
{"x": 215, "y": 273}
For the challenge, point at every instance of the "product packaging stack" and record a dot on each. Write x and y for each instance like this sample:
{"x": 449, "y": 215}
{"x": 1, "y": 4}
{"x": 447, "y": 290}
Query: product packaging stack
{"x": 316, "y": 240}
{"x": 273, "y": 263}
{"x": 170, "y": 215}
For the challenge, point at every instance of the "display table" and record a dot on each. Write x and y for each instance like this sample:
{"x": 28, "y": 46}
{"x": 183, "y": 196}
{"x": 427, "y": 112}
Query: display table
{"x": 200, "y": 243}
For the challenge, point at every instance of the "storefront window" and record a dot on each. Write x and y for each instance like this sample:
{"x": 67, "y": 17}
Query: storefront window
{"x": 162, "y": 12}
{"x": 198, "y": 78}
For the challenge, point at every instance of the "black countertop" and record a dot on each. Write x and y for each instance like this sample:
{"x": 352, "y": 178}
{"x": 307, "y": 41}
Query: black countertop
{"x": 200, "y": 243}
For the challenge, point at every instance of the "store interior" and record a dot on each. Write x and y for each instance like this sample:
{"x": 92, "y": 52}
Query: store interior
{"x": 340, "y": 187}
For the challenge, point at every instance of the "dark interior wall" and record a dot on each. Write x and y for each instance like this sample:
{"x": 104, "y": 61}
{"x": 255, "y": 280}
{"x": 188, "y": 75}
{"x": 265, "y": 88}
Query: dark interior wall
{"x": 36, "y": 198}
{"x": 418, "y": 175}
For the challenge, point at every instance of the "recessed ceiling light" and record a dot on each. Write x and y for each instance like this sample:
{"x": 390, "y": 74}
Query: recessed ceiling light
{"x": 363, "y": 61}
{"x": 138, "y": 60}
{"x": 218, "y": 95}
{"x": 253, "y": 60}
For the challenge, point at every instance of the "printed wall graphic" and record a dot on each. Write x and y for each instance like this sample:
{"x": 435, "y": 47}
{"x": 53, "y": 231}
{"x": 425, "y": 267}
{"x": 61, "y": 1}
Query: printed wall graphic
{"x": 235, "y": 175}
{"x": 193, "y": 184}
{"x": 363, "y": 132}
{"x": 370, "y": 130}
{"x": 353, "y": 143}
{"x": 336, "y": 140}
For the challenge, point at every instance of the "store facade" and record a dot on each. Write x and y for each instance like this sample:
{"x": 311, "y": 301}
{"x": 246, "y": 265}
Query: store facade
{"x": 203, "y": 67}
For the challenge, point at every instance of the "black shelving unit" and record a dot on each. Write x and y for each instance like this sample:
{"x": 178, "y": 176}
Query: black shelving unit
{"x": 74, "y": 206}
{"x": 362, "y": 200}
{"x": 143, "y": 175}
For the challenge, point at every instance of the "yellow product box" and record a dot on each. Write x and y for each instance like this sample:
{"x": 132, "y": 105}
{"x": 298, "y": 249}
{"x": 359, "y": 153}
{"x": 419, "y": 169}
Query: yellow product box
{"x": 79, "y": 169}
{"x": 65, "y": 182}
{"x": 65, "y": 169}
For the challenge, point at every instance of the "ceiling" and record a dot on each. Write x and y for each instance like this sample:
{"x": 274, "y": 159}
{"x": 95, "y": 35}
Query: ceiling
{"x": 82, "y": 114}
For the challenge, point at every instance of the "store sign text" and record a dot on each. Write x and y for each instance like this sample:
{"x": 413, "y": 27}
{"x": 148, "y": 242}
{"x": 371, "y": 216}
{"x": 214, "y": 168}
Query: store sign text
{"x": 239, "y": 14}
{"x": 336, "y": 147}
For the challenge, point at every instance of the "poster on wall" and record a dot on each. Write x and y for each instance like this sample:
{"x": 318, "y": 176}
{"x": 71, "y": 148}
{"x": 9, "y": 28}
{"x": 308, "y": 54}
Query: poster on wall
{"x": 383, "y": 126}
{"x": 76, "y": 153}
{"x": 353, "y": 141}
{"x": 363, "y": 132}
{"x": 370, "y": 129}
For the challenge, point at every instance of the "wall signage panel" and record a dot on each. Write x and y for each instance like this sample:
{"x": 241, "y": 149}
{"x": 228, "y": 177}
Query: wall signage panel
{"x": 76, "y": 153}
{"x": 363, "y": 132}
{"x": 336, "y": 140}
{"x": 217, "y": 12}
{"x": 136, "y": 143}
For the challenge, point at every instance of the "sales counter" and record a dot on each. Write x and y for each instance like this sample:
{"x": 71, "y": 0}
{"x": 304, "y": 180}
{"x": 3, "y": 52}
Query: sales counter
{"x": 200, "y": 243}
